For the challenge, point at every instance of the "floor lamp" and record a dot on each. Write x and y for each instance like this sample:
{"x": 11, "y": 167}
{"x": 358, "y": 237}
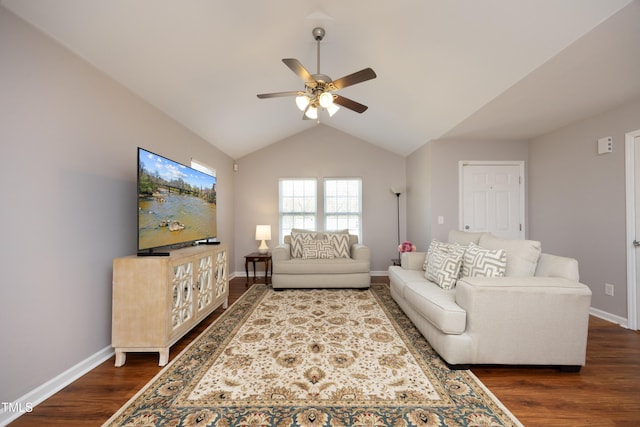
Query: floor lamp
{"x": 397, "y": 192}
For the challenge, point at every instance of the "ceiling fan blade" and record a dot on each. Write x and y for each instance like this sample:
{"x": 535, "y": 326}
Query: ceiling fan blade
{"x": 299, "y": 69}
{"x": 278, "y": 94}
{"x": 357, "y": 77}
{"x": 350, "y": 104}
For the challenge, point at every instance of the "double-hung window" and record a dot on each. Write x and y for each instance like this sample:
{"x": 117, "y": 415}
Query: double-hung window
{"x": 298, "y": 205}
{"x": 343, "y": 205}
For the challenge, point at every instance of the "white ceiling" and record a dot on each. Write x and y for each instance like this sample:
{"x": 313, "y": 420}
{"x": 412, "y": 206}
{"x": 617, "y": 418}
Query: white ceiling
{"x": 499, "y": 69}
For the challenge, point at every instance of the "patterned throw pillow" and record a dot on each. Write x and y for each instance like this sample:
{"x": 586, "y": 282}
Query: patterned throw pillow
{"x": 340, "y": 242}
{"x": 443, "y": 267}
{"x": 318, "y": 249}
{"x": 481, "y": 262}
{"x": 297, "y": 240}
{"x": 433, "y": 247}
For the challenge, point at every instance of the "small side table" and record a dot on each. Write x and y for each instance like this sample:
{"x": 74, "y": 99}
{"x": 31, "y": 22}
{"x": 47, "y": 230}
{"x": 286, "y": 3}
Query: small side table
{"x": 258, "y": 257}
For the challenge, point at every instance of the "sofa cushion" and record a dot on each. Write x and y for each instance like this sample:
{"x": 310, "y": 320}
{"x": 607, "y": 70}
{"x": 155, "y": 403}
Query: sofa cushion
{"x": 522, "y": 255}
{"x": 482, "y": 262}
{"x": 322, "y": 266}
{"x": 298, "y": 238}
{"x": 465, "y": 237}
{"x": 443, "y": 267}
{"x": 557, "y": 266}
{"x": 437, "y": 305}
{"x": 318, "y": 249}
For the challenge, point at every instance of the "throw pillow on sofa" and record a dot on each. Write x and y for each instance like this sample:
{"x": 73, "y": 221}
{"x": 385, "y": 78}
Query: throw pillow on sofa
{"x": 340, "y": 242}
{"x": 482, "y": 262}
{"x": 298, "y": 238}
{"x": 434, "y": 246}
{"x": 318, "y": 249}
{"x": 443, "y": 266}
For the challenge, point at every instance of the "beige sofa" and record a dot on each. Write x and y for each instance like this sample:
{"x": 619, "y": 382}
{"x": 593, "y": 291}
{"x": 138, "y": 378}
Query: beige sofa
{"x": 291, "y": 270}
{"x": 537, "y": 314}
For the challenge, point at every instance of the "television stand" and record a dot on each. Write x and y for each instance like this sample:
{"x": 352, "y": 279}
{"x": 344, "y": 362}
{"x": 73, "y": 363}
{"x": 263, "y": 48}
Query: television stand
{"x": 156, "y": 300}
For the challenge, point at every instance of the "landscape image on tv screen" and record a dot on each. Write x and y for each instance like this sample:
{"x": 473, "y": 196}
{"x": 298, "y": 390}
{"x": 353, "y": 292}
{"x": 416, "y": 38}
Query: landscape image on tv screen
{"x": 176, "y": 203}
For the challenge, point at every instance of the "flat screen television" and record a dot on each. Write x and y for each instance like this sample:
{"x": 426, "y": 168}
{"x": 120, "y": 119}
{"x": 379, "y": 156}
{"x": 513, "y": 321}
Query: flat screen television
{"x": 176, "y": 204}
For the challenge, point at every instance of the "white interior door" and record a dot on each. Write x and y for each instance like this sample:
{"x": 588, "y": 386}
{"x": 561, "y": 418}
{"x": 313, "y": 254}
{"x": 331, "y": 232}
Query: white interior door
{"x": 492, "y": 198}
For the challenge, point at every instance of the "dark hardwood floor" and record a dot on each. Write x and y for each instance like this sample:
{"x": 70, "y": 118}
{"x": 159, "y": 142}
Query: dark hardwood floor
{"x": 606, "y": 392}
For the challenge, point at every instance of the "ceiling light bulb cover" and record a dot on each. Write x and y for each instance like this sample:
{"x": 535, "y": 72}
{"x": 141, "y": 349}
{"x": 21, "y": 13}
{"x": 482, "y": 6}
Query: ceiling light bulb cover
{"x": 312, "y": 113}
{"x": 332, "y": 109}
{"x": 302, "y": 101}
{"x": 326, "y": 99}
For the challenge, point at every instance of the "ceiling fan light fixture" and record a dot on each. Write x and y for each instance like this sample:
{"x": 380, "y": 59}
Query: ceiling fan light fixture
{"x": 312, "y": 113}
{"x": 302, "y": 101}
{"x": 318, "y": 88}
{"x": 326, "y": 99}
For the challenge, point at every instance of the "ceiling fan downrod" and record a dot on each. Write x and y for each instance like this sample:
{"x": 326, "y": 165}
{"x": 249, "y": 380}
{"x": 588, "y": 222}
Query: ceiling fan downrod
{"x": 318, "y": 35}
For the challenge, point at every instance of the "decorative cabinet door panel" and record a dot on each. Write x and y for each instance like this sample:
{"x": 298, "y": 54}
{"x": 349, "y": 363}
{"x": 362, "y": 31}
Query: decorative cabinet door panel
{"x": 182, "y": 291}
{"x": 221, "y": 275}
{"x": 205, "y": 282}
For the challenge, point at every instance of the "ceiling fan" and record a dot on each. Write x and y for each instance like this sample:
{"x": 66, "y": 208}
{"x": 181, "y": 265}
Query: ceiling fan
{"x": 318, "y": 88}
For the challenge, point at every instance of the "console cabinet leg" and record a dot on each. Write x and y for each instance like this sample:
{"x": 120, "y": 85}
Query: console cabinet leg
{"x": 164, "y": 356}
{"x": 121, "y": 357}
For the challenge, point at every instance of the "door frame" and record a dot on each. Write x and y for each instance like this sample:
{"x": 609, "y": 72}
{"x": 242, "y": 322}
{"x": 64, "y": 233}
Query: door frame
{"x": 519, "y": 163}
{"x": 630, "y": 188}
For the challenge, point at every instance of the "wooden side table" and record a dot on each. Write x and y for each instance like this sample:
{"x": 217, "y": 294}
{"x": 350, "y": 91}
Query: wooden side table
{"x": 258, "y": 257}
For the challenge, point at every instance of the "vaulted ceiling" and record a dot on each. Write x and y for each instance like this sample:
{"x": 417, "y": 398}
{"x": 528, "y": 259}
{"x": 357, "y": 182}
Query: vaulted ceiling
{"x": 490, "y": 69}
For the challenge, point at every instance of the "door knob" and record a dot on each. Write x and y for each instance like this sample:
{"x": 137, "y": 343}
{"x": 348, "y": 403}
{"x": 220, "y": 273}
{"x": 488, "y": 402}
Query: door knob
{"x": 466, "y": 227}
{"x": 636, "y": 243}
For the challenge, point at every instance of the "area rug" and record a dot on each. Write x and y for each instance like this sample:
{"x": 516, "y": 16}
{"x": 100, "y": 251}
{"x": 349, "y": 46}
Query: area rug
{"x": 312, "y": 358}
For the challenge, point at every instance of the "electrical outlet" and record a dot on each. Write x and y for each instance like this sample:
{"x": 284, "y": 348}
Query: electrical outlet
{"x": 608, "y": 289}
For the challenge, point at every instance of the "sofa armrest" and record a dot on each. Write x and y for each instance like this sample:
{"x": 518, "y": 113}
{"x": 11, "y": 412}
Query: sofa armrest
{"x": 360, "y": 252}
{"x": 543, "y": 316}
{"x": 281, "y": 253}
{"x": 412, "y": 260}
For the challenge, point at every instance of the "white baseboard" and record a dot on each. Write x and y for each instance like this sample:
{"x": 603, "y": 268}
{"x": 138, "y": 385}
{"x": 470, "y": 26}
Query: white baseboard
{"x": 9, "y": 411}
{"x": 242, "y": 274}
{"x": 380, "y": 273}
{"x": 609, "y": 317}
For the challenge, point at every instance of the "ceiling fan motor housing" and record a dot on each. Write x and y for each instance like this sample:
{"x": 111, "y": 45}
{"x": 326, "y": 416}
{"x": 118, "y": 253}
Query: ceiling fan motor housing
{"x": 318, "y": 33}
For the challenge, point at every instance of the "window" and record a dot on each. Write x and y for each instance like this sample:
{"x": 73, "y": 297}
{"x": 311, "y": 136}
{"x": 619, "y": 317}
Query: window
{"x": 298, "y": 205}
{"x": 343, "y": 205}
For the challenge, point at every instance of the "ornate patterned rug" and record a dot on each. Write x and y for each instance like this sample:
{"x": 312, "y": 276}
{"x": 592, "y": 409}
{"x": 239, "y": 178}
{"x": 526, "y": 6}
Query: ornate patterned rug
{"x": 312, "y": 358}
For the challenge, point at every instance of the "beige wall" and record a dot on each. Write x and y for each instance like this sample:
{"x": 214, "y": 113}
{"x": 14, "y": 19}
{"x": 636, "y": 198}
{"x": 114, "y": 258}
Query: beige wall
{"x": 432, "y": 179}
{"x": 318, "y": 153}
{"x": 68, "y": 164}
{"x": 577, "y": 200}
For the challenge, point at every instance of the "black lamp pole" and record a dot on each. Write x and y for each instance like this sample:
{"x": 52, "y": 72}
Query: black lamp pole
{"x": 398, "y": 201}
